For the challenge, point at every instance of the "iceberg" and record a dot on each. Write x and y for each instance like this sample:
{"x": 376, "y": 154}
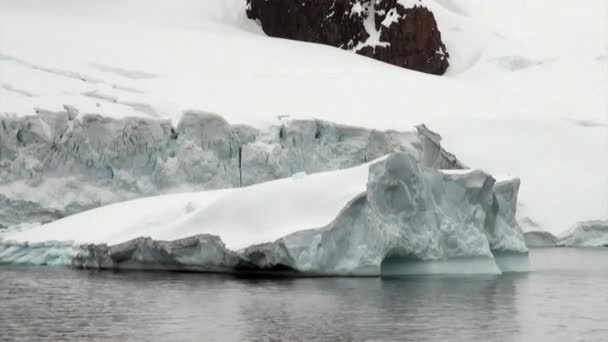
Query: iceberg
{"x": 586, "y": 234}
{"x": 392, "y": 217}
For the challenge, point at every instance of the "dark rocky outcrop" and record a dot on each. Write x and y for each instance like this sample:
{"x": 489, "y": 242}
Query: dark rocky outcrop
{"x": 408, "y": 34}
{"x": 333, "y": 22}
{"x": 413, "y": 37}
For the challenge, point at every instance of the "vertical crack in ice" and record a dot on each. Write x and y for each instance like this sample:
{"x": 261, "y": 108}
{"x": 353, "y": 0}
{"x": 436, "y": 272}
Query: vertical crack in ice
{"x": 240, "y": 165}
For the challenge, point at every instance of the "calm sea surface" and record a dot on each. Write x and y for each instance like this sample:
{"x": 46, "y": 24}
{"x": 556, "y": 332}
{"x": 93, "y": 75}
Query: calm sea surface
{"x": 564, "y": 299}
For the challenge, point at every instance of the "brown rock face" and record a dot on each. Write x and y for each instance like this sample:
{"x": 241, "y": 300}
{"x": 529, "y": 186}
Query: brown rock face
{"x": 330, "y": 22}
{"x": 409, "y": 37}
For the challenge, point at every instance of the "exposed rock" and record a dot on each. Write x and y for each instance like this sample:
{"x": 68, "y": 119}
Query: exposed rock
{"x": 414, "y": 40}
{"x": 408, "y": 33}
{"x": 536, "y": 239}
{"x": 333, "y": 22}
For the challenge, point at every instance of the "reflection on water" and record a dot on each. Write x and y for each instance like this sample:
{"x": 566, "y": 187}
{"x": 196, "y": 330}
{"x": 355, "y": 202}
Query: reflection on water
{"x": 567, "y": 303}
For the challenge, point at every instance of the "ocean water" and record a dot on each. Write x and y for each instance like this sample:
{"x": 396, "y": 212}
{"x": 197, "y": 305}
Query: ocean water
{"x": 564, "y": 299}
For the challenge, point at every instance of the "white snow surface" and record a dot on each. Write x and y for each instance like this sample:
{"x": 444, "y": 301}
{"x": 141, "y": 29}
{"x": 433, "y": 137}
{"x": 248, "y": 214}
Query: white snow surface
{"x": 240, "y": 217}
{"x": 525, "y": 94}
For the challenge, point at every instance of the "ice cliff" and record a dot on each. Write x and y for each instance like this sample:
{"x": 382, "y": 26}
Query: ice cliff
{"x": 56, "y": 164}
{"x": 407, "y": 218}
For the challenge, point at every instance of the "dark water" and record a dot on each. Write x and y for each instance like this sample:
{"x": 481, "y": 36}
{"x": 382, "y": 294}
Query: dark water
{"x": 565, "y": 299}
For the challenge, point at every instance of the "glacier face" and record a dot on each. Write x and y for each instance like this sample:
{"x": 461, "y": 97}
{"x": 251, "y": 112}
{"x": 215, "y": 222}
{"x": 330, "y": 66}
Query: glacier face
{"x": 586, "y": 234}
{"x": 61, "y": 163}
{"x": 410, "y": 220}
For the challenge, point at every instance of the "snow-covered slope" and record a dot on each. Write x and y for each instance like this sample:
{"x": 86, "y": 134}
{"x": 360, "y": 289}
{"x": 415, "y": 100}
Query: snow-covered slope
{"x": 525, "y": 94}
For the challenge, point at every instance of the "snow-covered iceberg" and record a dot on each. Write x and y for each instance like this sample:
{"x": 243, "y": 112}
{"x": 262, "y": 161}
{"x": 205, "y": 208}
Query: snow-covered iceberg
{"x": 586, "y": 234}
{"x": 410, "y": 216}
{"x": 394, "y": 216}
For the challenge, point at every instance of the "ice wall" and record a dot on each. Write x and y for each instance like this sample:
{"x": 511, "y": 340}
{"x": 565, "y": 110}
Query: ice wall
{"x": 60, "y": 163}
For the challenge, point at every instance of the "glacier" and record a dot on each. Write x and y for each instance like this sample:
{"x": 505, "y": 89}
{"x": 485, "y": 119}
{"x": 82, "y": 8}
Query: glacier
{"x": 506, "y": 78}
{"x": 392, "y": 217}
{"x": 55, "y": 164}
{"x": 82, "y": 128}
